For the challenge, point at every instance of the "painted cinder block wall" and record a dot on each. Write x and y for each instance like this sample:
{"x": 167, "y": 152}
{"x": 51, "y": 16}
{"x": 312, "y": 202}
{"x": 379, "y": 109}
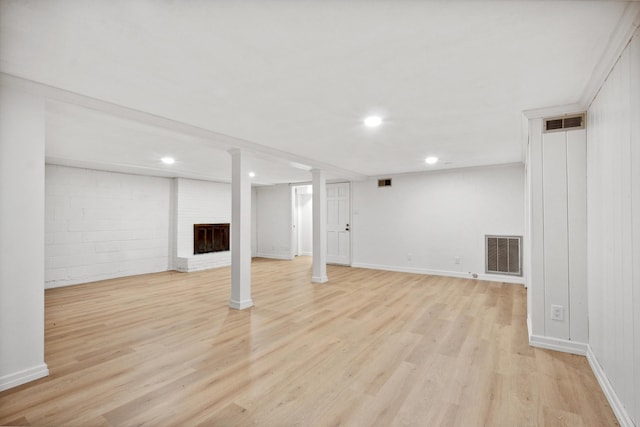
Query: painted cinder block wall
{"x": 199, "y": 202}
{"x": 100, "y": 225}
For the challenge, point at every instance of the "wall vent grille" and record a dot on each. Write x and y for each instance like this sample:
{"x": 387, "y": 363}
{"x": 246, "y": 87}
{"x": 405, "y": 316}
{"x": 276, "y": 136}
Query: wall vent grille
{"x": 386, "y": 182}
{"x": 557, "y": 124}
{"x": 503, "y": 255}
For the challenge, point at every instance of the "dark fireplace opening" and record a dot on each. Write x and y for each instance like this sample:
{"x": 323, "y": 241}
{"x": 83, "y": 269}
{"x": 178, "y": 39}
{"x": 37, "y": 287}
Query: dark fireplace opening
{"x": 210, "y": 238}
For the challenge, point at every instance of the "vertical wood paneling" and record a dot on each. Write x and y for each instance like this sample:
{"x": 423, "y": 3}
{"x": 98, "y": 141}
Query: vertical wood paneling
{"x": 613, "y": 199}
{"x": 634, "y": 96}
{"x": 626, "y": 260}
{"x": 537, "y": 290}
{"x": 577, "y": 228}
{"x": 556, "y": 249}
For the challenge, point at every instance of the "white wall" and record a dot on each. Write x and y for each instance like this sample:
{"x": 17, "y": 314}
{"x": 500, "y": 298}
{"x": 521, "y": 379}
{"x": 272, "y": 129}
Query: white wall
{"x": 22, "y": 133}
{"x": 101, "y": 225}
{"x": 557, "y": 242}
{"x": 613, "y": 147}
{"x": 433, "y": 217}
{"x": 274, "y": 221}
{"x": 199, "y": 202}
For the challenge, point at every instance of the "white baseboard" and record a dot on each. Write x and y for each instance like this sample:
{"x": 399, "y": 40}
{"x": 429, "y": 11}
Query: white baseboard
{"x": 480, "y": 276}
{"x": 616, "y": 405}
{"x": 319, "y": 279}
{"x": 272, "y": 256}
{"x": 24, "y": 376}
{"x": 583, "y": 349}
{"x": 557, "y": 344}
{"x": 241, "y": 305}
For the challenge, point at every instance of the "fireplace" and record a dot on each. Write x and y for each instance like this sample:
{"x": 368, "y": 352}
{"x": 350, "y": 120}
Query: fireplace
{"x": 210, "y": 238}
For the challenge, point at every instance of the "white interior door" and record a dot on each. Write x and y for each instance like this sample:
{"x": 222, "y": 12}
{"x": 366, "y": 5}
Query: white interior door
{"x": 338, "y": 224}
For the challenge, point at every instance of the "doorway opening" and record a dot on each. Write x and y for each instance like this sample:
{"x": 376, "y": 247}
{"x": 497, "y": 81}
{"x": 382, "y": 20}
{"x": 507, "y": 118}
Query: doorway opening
{"x": 302, "y": 233}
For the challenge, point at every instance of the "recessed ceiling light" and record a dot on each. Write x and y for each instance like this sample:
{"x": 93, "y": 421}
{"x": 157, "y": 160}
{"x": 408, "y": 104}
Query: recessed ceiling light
{"x": 373, "y": 121}
{"x": 168, "y": 160}
{"x": 431, "y": 160}
{"x": 252, "y": 174}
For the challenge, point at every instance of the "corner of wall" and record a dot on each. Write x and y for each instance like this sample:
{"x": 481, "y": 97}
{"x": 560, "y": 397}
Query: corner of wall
{"x": 609, "y": 391}
{"x": 558, "y": 344}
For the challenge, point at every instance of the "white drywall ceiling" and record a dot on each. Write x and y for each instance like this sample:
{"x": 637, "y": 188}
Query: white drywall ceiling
{"x": 450, "y": 79}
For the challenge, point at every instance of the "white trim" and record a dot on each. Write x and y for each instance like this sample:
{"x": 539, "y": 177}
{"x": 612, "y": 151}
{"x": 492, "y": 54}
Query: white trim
{"x": 323, "y": 279}
{"x": 488, "y": 277}
{"x": 241, "y": 305}
{"x": 557, "y": 110}
{"x": 305, "y": 254}
{"x": 444, "y": 170}
{"x": 529, "y": 327}
{"x": 24, "y": 376}
{"x": 626, "y": 28}
{"x": 618, "y": 41}
{"x": 272, "y": 256}
{"x": 616, "y": 404}
{"x": 558, "y": 344}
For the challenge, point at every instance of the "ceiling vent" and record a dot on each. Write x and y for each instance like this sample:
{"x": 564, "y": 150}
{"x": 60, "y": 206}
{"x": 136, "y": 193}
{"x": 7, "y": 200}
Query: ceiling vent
{"x": 503, "y": 255}
{"x": 557, "y": 124}
{"x": 386, "y": 182}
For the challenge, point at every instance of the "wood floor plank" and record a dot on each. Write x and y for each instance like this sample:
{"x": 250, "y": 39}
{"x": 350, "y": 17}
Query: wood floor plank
{"x": 367, "y": 348}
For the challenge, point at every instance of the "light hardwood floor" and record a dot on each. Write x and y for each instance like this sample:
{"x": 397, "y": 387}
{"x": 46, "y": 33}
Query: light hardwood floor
{"x": 367, "y": 348}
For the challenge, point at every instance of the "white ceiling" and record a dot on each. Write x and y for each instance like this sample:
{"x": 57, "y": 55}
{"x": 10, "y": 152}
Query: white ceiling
{"x": 450, "y": 79}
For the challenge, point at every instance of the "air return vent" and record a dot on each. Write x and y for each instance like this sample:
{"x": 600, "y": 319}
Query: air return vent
{"x": 386, "y": 182}
{"x": 556, "y": 124}
{"x": 504, "y": 255}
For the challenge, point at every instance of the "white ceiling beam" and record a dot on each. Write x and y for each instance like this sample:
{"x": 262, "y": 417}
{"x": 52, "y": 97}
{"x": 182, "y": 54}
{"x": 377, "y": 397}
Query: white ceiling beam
{"x": 215, "y": 139}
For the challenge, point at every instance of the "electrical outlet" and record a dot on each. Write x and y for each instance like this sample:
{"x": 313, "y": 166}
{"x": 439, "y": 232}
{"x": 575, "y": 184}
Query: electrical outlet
{"x": 456, "y": 260}
{"x": 409, "y": 257}
{"x": 557, "y": 312}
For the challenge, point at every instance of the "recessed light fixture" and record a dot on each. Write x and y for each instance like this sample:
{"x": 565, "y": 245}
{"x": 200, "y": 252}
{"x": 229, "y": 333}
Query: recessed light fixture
{"x": 252, "y": 174}
{"x": 168, "y": 160}
{"x": 373, "y": 121}
{"x": 431, "y": 160}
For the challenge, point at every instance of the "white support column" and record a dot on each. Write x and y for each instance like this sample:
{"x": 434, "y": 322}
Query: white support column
{"x": 319, "y": 182}
{"x": 240, "y": 231}
{"x": 22, "y": 237}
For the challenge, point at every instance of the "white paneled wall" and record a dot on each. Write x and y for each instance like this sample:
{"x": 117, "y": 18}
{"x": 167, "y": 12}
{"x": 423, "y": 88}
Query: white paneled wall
{"x": 557, "y": 238}
{"x": 101, "y": 225}
{"x": 555, "y": 243}
{"x": 613, "y": 144}
{"x": 577, "y": 235}
{"x": 423, "y": 223}
{"x": 564, "y": 234}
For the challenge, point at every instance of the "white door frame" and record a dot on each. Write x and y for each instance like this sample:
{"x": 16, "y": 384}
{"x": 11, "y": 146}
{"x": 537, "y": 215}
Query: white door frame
{"x": 348, "y": 225}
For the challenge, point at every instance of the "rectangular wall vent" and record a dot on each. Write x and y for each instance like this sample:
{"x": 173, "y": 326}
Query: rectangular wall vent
{"x": 504, "y": 255}
{"x": 386, "y": 182}
{"x": 556, "y": 124}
